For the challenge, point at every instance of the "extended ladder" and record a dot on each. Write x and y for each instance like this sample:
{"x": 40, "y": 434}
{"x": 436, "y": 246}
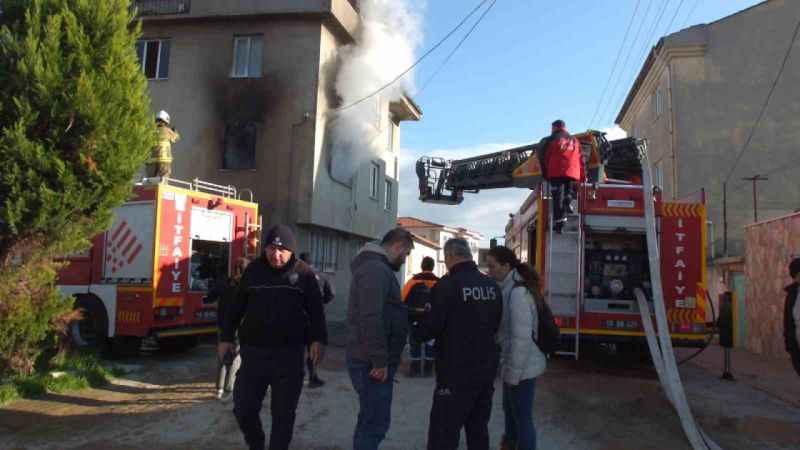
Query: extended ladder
{"x": 564, "y": 283}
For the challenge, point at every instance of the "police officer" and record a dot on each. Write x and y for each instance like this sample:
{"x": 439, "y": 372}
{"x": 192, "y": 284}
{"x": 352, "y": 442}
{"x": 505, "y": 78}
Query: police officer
{"x": 160, "y": 162}
{"x": 464, "y": 317}
{"x": 277, "y": 310}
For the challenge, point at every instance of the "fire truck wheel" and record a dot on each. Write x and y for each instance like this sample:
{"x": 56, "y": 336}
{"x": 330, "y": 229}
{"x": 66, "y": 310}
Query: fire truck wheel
{"x": 91, "y": 332}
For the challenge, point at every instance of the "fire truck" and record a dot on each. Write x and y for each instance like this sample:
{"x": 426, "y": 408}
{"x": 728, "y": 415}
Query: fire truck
{"x": 143, "y": 284}
{"x": 591, "y": 269}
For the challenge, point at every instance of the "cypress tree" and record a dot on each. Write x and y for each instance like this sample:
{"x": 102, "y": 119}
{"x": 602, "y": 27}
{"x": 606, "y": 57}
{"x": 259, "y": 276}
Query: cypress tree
{"x": 75, "y": 127}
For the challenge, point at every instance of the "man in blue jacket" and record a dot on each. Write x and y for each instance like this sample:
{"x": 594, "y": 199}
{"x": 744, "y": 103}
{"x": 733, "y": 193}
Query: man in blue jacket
{"x": 378, "y": 326}
{"x": 277, "y": 311}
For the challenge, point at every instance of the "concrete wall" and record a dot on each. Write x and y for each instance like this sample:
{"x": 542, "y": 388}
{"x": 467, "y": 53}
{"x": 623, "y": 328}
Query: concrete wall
{"x": 770, "y": 246}
{"x": 718, "y": 76}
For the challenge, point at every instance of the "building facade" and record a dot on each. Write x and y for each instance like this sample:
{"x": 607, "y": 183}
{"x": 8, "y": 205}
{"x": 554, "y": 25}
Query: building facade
{"x": 439, "y": 234}
{"x": 250, "y": 88}
{"x": 696, "y": 100}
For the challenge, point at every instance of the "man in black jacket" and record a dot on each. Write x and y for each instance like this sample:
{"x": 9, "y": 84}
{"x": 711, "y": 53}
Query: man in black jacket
{"x": 791, "y": 315}
{"x": 466, "y": 308}
{"x": 277, "y": 311}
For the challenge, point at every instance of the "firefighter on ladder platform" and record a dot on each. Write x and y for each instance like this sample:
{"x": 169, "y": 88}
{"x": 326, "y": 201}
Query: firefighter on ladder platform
{"x": 562, "y": 166}
{"x": 160, "y": 162}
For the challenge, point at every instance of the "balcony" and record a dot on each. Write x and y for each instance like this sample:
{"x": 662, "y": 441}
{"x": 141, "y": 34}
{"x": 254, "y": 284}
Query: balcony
{"x": 162, "y": 7}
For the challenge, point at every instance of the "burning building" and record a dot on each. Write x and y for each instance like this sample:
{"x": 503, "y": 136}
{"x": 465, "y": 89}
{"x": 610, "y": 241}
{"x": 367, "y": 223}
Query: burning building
{"x": 277, "y": 96}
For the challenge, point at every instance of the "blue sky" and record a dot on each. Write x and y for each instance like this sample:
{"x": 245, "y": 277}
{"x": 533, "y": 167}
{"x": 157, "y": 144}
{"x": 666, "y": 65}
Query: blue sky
{"x": 528, "y": 63}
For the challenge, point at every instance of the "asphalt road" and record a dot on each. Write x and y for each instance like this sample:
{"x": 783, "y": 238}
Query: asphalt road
{"x": 605, "y": 403}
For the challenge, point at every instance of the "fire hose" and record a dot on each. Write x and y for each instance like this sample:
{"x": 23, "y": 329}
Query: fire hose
{"x": 660, "y": 343}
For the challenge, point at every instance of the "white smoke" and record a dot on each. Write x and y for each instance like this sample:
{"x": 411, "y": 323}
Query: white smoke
{"x": 615, "y": 132}
{"x": 385, "y": 45}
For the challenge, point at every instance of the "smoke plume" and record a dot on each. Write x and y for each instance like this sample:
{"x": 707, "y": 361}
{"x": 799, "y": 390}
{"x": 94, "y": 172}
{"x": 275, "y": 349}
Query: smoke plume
{"x": 385, "y": 46}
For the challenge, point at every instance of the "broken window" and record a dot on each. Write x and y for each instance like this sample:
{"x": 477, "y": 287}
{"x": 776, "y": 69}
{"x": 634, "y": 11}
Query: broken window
{"x": 240, "y": 146}
{"x": 247, "y": 54}
{"x": 154, "y": 58}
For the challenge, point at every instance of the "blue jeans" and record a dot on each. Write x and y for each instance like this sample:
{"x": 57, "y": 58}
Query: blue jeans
{"x": 518, "y": 408}
{"x": 375, "y": 405}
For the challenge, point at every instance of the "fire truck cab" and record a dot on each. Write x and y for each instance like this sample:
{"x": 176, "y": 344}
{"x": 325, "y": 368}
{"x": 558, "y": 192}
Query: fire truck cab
{"x": 144, "y": 282}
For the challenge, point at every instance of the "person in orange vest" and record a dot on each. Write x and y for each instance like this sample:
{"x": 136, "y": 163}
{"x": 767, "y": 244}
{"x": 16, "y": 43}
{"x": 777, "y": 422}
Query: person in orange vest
{"x": 416, "y": 294}
{"x": 562, "y": 165}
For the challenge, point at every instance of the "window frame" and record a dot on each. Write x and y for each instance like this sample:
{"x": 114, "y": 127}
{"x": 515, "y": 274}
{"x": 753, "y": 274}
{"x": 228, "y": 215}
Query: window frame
{"x": 374, "y": 175}
{"x": 388, "y": 187}
{"x": 146, "y": 43}
{"x": 248, "y": 73}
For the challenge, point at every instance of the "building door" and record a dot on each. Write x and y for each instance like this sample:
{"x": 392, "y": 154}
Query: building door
{"x": 741, "y": 312}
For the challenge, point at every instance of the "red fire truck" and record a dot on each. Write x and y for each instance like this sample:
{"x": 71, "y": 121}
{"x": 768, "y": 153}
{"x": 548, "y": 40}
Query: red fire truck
{"x": 144, "y": 282}
{"x": 591, "y": 269}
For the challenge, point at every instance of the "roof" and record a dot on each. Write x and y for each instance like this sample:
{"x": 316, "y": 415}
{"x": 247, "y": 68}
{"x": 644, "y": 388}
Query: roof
{"x": 405, "y": 108}
{"x": 426, "y": 242}
{"x": 651, "y": 58}
{"x": 413, "y": 222}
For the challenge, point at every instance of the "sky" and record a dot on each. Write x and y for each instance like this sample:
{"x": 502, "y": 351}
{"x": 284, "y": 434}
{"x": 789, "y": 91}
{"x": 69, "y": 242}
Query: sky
{"x": 526, "y": 64}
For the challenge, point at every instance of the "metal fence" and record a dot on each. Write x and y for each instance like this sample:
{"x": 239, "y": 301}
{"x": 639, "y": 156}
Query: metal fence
{"x": 162, "y": 7}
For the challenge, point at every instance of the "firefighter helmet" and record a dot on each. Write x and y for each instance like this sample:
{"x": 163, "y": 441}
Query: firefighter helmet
{"x": 163, "y": 116}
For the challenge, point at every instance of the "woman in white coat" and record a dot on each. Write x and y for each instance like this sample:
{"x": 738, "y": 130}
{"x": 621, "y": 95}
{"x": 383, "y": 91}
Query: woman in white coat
{"x": 521, "y": 360}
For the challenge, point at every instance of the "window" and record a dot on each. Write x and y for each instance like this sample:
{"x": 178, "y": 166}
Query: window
{"x": 374, "y": 170}
{"x": 324, "y": 251}
{"x": 387, "y": 197}
{"x": 390, "y": 137}
{"x": 657, "y": 102}
{"x": 240, "y": 146}
{"x": 247, "y": 54}
{"x": 154, "y": 58}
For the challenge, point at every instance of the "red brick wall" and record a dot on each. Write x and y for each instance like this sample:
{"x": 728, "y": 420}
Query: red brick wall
{"x": 769, "y": 246}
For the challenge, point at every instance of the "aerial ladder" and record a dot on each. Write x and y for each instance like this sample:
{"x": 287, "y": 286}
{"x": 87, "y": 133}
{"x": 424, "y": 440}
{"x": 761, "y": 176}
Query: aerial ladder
{"x": 445, "y": 182}
{"x": 619, "y": 165}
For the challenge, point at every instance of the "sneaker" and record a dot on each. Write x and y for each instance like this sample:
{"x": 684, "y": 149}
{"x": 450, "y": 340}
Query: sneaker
{"x": 315, "y": 382}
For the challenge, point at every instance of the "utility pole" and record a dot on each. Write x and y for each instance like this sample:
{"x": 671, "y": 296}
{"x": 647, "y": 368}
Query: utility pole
{"x": 755, "y": 180}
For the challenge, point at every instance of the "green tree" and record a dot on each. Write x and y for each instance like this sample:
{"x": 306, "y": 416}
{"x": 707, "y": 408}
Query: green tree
{"x": 75, "y": 126}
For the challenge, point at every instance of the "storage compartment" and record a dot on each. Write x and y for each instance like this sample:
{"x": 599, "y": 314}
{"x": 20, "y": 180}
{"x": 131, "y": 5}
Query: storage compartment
{"x": 615, "y": 265}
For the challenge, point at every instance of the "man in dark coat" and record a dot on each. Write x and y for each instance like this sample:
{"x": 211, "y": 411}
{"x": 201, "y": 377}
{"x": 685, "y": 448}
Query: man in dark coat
{"x": 378, "y": 325}
{"x": 464, "y": 317}
{"x": 277, "y": 311}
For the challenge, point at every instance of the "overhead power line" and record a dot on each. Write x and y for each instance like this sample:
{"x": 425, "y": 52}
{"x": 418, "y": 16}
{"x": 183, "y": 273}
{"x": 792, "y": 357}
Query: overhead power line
{"x": 691, "y": 11}
{"x": 415, "y": 64}
{"x": 766, "y": 102}
{"x": 613, "y": 91}
{"x": 671, "y": 21}
{"x": 616, "y": 61}
{"x": 455, "y": 49}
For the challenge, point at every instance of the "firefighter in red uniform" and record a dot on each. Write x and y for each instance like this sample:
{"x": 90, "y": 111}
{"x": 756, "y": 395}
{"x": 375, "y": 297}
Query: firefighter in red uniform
{"x": 562, "y": 165}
